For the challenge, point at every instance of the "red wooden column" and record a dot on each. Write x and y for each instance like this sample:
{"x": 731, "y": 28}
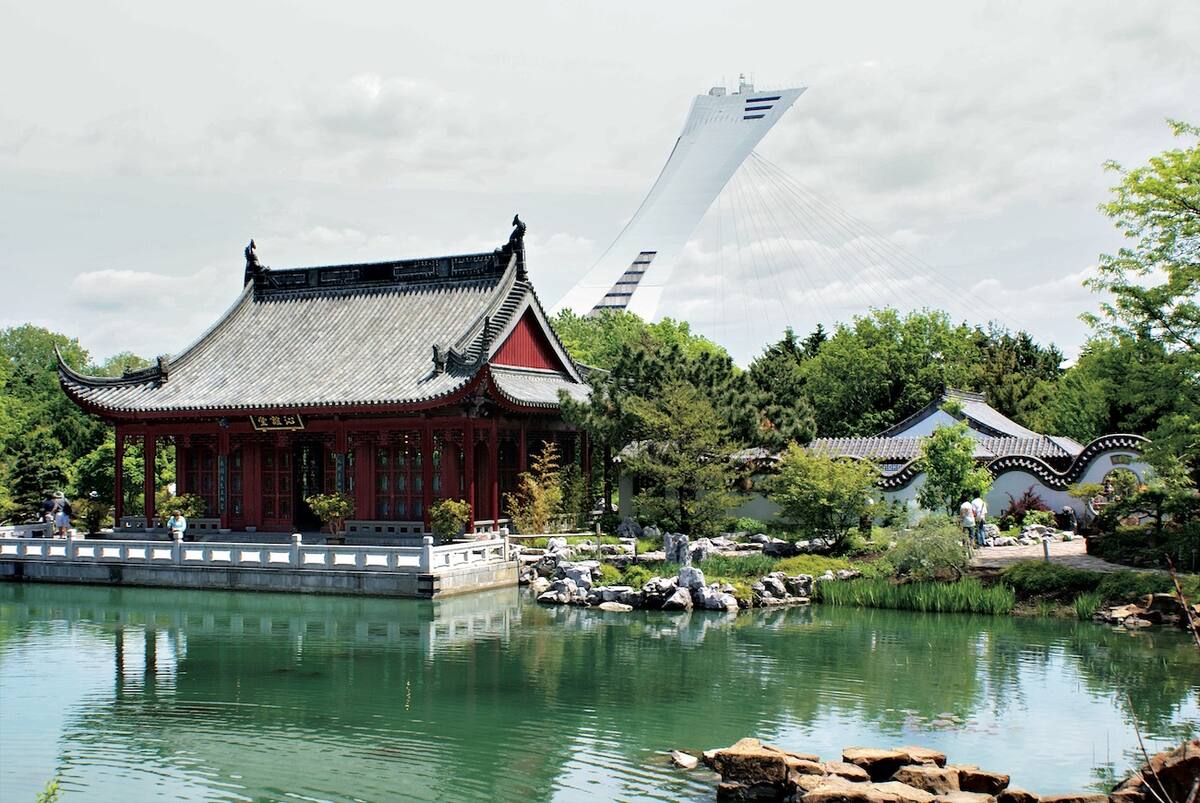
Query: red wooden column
{"x": 523, "y": 456}
{"x": 494, "y": 473}
{"x": 252, "y": 483}
{"x": 364, "y": 465}
{"x": 469, "y": 469}
{"x": 148, "y": 457}
{"x": 426, "y": 472}
{"x": 182, "y": 442}
{"x": 118, "y": 474}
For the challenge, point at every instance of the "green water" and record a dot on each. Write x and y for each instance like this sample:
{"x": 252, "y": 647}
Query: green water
{"x": 138, "y": 694}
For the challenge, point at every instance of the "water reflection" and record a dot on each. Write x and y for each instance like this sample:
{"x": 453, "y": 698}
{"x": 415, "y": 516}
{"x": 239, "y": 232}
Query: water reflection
{"x": 488, "y": 696}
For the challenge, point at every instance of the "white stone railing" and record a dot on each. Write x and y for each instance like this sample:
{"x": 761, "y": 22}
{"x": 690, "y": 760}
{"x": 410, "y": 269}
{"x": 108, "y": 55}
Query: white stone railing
{"x": 484, "y": 526}
{"x": 138, "y": 524}
{"x": 369, "y": 527}
{"x": 424, "y": 559}
{"x": 41, "y": 529}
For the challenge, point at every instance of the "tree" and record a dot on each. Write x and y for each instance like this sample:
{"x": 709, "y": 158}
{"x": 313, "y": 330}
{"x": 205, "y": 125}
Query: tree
{"x": 823, "y": 496}
{"x": 951, "y": 475}
{"x": 1155, "y": 282}
{"x": 681, "y": 459}
{"x": 539, "y": 495}
{"x": 778, "y": 377}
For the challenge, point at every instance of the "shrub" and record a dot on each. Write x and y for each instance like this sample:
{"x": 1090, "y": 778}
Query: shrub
{"x": 635, "y": 576}
{"x": 539, "y": 496}
{"x": 1032, "y": 578}
{"x": 750, "y": 525}
{"x": 823, "y": 496}
{"x": 448, "y": 518}
{"x": 892, "y": 514}
{"x": 963, "y": 596}
{"x": 933, "y": 550}
{"x": 1135, "y": 546}
{"x": 948, "y": 457}
{"x": 1043, "y": 517}
{"x": 1018, "y": 509}
{"x": 1087, "y": 604}
{"x": 331, "y": 509}
{"x": 609, "y": 575}
{"x": 190, "y": 505}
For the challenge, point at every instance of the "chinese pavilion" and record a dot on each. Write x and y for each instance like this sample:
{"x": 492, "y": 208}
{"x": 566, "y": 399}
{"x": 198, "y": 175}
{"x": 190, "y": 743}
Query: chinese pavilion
{"x": 400, "y": 383}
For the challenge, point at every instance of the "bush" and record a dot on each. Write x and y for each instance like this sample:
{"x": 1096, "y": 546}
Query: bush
{"x": 892, "y": 514}
{"x": 635, "y": 576}
{"x": 1136, "y": 546}
{"x": 1032, "y": 578}
{"x": 448, "y": 518}
{"x": 749, "y": 525}
{"x": 331, "y": 509}
{"x": 933, "y": 550}
{"x": 1043, "y": 517}
{"x": 1015, "y": 515}
{"x": 609, "y": 575}
{"x": 190, "y": 505}
{"x": 963, "y": 596}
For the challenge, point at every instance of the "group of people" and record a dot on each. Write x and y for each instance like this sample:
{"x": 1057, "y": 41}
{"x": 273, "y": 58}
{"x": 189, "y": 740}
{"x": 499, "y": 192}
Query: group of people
{"x": 56, "y": 511}
{"x": 972, "y": 514}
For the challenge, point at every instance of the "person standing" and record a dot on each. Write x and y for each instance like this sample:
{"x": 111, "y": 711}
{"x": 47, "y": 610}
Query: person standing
{"x": 62, "y": 514}
{"x": 980, "y": 509}
{"x": 966, "y": 518}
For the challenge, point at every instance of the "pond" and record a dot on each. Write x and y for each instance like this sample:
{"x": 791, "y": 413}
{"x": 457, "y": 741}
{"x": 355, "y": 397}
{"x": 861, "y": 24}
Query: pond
{"x": 133, "y": 694}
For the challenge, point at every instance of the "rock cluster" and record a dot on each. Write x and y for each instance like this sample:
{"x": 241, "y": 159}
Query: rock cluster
{"x": 1030, "y": 534}
{"x": 574, "y": 584}
{"x": 1155, "y": 609}
{"x": 753, "y": 771}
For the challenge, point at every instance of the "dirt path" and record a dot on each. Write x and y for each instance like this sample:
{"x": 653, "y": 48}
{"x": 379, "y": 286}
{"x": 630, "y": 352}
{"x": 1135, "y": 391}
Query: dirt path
{"x": 1064, "y": 553}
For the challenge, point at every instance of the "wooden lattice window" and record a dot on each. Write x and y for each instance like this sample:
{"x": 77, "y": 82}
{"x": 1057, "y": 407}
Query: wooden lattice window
{"x": 399, "y": 480}
{"x": 277, "y": 483}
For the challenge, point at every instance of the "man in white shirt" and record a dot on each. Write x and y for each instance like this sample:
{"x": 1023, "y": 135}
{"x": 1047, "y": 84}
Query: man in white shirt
{"x": 966, "y": 518}
{"x": 980, "y": 509}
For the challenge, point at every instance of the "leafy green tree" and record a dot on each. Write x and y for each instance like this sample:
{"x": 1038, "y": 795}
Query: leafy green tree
{"x": 332, "y": 509}
{"x": 823, "y": 496}
{"x": 1155, "y": 281}
{"x": 39, "y": 467}
{"x": 681, "y": 459}
{"x": 951, "y": 474}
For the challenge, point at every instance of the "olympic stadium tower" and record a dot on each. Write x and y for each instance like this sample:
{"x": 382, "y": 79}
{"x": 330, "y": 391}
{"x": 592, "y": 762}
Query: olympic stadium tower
{"x": 720, "y": 132}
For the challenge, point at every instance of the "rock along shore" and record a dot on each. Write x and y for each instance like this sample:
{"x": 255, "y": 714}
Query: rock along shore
{"x": 753, "y": 771}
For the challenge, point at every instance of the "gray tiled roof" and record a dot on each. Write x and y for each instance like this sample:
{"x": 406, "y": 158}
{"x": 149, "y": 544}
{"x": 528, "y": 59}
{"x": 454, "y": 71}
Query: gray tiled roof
{"x": 536, "y": 388}
{"x": 974, "y": 407}
{"x": 323, "y": 340}
{"x": 895, "y": 450}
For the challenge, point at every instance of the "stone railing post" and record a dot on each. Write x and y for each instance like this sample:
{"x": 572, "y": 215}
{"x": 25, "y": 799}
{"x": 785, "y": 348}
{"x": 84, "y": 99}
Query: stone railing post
{"x": 297, "y": 538}
{"x": 426, "y": 563}
{"x": 177, "y": 546}
{"x": 71, "y": 537}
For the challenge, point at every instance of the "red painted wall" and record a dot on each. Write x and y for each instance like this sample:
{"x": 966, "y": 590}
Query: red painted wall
{"x": 528, "y": 347}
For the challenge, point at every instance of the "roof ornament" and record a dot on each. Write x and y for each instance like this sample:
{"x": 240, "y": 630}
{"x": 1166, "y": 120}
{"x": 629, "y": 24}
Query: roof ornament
{"x": 439, "y": 360}
{"x": 517, "y": 238}
{"x": 164, "y": 367}
{"x": 253, "y": 266}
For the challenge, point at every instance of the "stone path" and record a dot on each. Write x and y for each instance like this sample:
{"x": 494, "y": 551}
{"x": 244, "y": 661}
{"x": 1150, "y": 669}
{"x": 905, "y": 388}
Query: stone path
{"x": 1064, "y": 553}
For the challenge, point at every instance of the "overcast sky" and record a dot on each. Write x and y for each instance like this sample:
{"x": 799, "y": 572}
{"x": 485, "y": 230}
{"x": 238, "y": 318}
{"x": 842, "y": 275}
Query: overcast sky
{"x": 142, "y": 144}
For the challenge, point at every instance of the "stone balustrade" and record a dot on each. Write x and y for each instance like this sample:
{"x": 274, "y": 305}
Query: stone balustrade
{"x": 424, "y": 559}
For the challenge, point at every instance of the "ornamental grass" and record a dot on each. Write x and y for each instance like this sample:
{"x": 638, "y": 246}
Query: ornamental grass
{"x": 963, "y": 596}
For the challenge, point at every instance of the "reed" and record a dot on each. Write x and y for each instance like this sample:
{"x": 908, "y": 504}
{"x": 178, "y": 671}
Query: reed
{"x": 963, "y": 596}
{"x": 1087, "y": 604}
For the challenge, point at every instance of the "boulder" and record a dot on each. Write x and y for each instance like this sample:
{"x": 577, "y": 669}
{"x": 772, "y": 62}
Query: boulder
{"x": 702, "y": 550}
{"x": 749, "y": 761}
{"x": 713, "y": 599}
{"x": 552, "y": 598}
{"x": 691, "y": 578}
{"x": 773, "y": 585}
{"x": 930, "y": 777}
{"x": 976, "y": 780}
{"x": 759, "y": 538}
{"x": 736, "y": 790}
{"x": 676, "y": 547}
{"x": 1136, "y": 623}
{"x": 904, "y": 792}
{"x": 634, "y": 599}
{"x": 1175, "y": 769}
{"x": 1015, "y": 795}
{"x": 799, "y": 585}
{"x": 628, "y": 528}
{"x": 780, "y": 549}
{"x": 834, "y": 792}
{"x": 842, "y": 769}
{"x": 651, "y": 533}
{"x": 685, "y": 761}
{"x": 615, "y": 607}
{"x": 565, "y": 585}
{"x": 679, "y": 600}
{"x": 1078, "y": 797}
{"x": 556, "y": 544}
{"x": 923, "y": 755}
{"x": 539, "y": 586}
{"x": 880, "y": 764}
{"x": 965, "y": 797}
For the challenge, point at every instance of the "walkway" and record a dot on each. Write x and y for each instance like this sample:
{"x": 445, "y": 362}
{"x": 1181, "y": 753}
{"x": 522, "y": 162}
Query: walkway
{"x": 1064, "y": 553}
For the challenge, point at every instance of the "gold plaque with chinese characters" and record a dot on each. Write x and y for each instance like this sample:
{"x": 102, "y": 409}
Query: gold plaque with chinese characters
{"x": 275, "y": 423}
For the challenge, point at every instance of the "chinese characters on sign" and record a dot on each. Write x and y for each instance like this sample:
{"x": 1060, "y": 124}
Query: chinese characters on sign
{"x": 270, "y": 423}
